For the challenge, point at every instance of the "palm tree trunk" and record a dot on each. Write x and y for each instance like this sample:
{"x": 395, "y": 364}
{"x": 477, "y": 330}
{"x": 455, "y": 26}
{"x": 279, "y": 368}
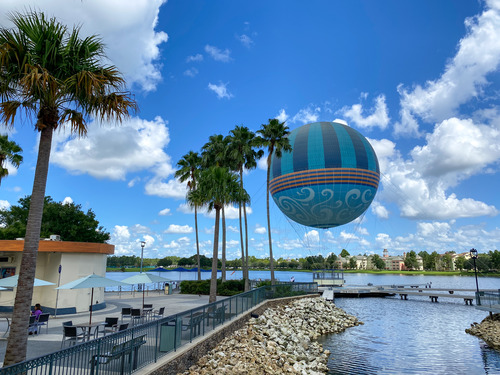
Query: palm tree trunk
{"x": 271, "y": 260}
{"x": 243, "y": 268}
{"x": 223, "y": 267}
{"x": 18, "y": 337}
{"x": 213, "y": 280}
{"x": 197, "y": 242}
{"x": 247, "y": 278}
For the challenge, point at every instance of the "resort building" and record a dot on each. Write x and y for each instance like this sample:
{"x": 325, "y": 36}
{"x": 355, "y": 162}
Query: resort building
{"x": 73, "y": 259}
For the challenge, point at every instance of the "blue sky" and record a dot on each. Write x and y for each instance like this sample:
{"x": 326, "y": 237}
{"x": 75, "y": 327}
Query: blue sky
{"x": 420, "y": 79}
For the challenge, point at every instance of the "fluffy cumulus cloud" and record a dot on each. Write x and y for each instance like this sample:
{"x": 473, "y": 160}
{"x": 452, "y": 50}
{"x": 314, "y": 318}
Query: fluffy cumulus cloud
{"x": 245, "y": 40}
{"x": 259, "y": 229}
{"x": 282, "y": 116}
{"x": 194, "y": 58}
{"x": 464, "y": 78}
{"x": 379, "y": 116}
{"x": 128, "y": 29}
{"x": 4, "y": 205}
{"x": 217, "y": 54}
{"x": 67, "y": 200}
{"x": 220, "y": 90}
{"x": 307, "y": 115}
{"x": 183, "y": 229}
{"x": 165, "y": 212}
{"x": 113, "y": 151}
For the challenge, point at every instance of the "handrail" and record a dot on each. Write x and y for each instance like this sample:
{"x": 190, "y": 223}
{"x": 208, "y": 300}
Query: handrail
{"x": 162, "y": 336}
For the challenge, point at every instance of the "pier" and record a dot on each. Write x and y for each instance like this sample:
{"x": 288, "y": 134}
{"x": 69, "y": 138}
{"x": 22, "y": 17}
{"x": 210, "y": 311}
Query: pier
{"x": 490, "y": 297}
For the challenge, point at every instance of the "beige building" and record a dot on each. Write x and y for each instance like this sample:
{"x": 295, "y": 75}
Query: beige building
{"x": 77, "y": 259}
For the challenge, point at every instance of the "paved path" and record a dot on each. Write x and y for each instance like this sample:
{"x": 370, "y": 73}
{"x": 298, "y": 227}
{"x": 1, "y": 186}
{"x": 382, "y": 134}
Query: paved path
{"x": 45, "y": 343}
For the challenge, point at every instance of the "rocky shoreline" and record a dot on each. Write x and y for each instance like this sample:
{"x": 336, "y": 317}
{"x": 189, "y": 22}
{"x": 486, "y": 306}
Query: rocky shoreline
{"x": 488, "y": 330}
{"x": 282, "y": 340}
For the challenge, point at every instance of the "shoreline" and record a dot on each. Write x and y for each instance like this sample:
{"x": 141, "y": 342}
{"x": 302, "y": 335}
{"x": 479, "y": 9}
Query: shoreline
{"x": 282, "y": 339}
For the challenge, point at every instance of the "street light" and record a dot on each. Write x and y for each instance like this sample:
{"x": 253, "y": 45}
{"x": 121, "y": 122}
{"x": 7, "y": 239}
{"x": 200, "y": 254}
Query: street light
{"x": 143, "y": 243}
{"x": 473, "y": 255}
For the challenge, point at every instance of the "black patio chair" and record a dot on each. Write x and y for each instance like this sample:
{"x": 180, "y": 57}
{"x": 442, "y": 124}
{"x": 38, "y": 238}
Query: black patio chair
{"x": 158, "y": 313}
{"x": 43, "y": 320}
{"x": 136, "y": 314}
{"x": 126, "y": 312}
{"x": 33, "y": 327}
{"x": 110, "y": 326}
{"x": 70, "y": 333}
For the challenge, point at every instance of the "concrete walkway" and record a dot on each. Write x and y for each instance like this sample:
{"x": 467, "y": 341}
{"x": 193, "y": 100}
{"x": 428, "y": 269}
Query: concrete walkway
{"x": 44, "y": 343}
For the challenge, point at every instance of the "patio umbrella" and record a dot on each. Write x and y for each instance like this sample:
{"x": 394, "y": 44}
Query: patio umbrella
{"x": 11, "y": 282}
{"x": 144, "y": 278}
{"x": 160, "y": 269}
{"x": 91, "y": 281}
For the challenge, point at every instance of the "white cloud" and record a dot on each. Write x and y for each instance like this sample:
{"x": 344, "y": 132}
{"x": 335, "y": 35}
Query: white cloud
{"x": 191, "y": 72}
{"x": 177, "y": 229}
{"x": 259, "y": 229}
{"x": 464, "y": 77}
{"x": 170, "y": 189}
{"x": 307, "y": 115}
{"x": 165, "y": 212}
{"x": 196, "y": 58}
{"x": 133, "y": 181}
{"x": 113, "y": 151}
{"x": 262, "y": 163}
{"x": 4, "y": 205}
{"x": 282, "y": 116}
{"x": 379, "y": 117}
{"x": 218, "y": 54}
{"x": 245, "y": 40}
{"x": 126, "y": 27}
{"x": 230, "y": 228}
{"x": 220, "y": 90}
{"x": 67, "y": 200}
{"x": 380, "y": 211}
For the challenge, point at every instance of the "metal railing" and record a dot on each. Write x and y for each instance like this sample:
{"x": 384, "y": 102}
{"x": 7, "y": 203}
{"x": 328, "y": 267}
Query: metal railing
{"x": 488, "y": 299}
{"x": 128, "y": 351}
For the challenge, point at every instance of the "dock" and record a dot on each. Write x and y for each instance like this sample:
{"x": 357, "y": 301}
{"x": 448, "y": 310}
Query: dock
{"x": 425, "y": 290}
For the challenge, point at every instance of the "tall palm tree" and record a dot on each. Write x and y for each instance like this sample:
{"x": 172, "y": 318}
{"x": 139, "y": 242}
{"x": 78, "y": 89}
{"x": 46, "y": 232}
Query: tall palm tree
{"x": 215, "y": 153}
{"x": 242, "y": 154}
{"x": 189, "y": 170}
{"x": 273, "y": 135}
{"x": 217, "y": 187}
{"x": 49, "y": 71}
{"x": 9, "y": 151}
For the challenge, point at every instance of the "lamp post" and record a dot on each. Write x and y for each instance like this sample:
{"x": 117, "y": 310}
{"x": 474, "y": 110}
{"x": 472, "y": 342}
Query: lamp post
{"x": 473, "y": 255}
{"x": 143, "y": 243}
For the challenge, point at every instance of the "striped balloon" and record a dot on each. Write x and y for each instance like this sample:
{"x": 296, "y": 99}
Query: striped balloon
{"x": 328, "y": 179}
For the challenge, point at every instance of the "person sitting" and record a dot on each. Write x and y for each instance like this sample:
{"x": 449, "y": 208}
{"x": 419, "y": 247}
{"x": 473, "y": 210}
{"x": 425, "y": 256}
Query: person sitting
{"x": 38, "y": 311}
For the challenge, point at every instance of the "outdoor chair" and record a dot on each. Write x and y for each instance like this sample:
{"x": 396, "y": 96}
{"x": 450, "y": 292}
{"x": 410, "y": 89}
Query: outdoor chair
{"x": 136, "y": 314}
{"x": 68, "y": 323}
{"x": 126, "y": 312}
{"x": 33, "y": 327}
{"x": 43, "y": 320}
{"x": 157, "y": 314}
{"x": 70, "y": 333}
{"x": 110, "y": 326}
{"x": 147, "y": 306}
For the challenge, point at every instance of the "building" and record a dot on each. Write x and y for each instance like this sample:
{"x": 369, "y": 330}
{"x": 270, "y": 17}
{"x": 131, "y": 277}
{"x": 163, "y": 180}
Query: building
{"x": 75, "y": 259}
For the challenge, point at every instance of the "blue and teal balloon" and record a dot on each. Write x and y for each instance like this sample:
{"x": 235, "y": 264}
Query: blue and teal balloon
{"x": 328, "y": 179}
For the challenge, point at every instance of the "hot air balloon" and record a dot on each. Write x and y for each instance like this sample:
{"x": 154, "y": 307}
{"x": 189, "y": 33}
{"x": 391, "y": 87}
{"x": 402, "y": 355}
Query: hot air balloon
{"x": 328, "y": 179}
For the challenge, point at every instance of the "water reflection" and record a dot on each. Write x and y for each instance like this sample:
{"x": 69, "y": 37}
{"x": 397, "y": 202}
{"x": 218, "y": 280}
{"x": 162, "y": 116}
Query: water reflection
{"x": 409, "y": 337}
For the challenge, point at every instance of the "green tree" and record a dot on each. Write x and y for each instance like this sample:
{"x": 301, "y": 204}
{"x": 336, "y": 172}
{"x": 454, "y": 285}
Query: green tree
{"x": 495, "y": 259}
{"x": 344, "y": 253}
{"x": 165, "y": 262}
{"x": 352, "y": 263}
{"x": 189, "y": 170}
{"x": 9, "y": 152}
{"x": 330, "y": 260}
{"x": 460, "y": 263}
{"x": 65, "y": 219}
{"x": 217, "y": 187}
{"x": 272, "y": 135}
{"x": 378, "y": 262}
{"x": 446, "y": 261}
{"x": 411, "y": 262}
{"x": 54, "y": 75}
{"x": 215, "y": 154}
{"x": 242, "y": 154}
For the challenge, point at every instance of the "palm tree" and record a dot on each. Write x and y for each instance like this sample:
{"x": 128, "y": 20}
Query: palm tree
{"x": 273, "y": 136}
{"x": 243, "y": 155}
{"x": 50, "y": 72}
{"x": 189, "y": 169}
{"x": 217, "y": 187}
{"x": 215, "y": 153}
{"x": 9, "y": 151}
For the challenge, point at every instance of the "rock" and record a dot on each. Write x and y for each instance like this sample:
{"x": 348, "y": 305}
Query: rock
{"x": 281, "y": 340}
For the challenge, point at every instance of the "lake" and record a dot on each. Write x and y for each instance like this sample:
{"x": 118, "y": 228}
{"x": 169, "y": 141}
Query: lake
{"x": 398, "y": 337}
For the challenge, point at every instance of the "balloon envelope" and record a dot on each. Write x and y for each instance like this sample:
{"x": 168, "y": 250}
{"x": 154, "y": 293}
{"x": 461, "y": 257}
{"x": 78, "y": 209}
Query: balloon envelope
{"x": 328, "y": 179}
